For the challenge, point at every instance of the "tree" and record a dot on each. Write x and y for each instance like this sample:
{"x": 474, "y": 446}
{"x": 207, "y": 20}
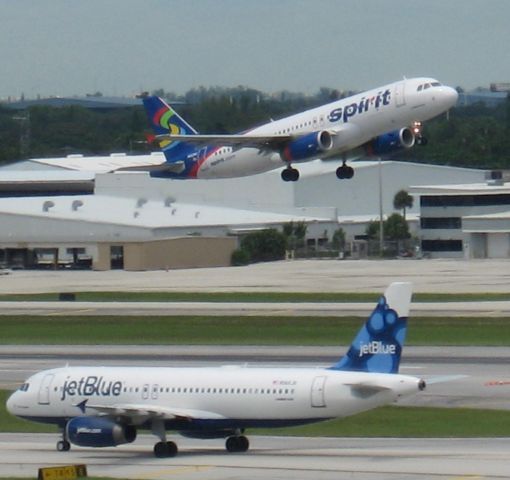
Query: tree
{"x": 264, "y": 246}
{"x": 294, "y": 234}
{"x": 372, "y": 230}
{"x": 401, "y": 201}
{"x": 396, "y": 228}
{"x": 338, "y": 240}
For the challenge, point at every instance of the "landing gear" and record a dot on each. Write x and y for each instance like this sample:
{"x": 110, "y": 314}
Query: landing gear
{"x": 344, "y": 172}
{"x": 290, "y": 174}
{"x": 162, "y": 449}
{"x": 422, "y": 141}
{"x": 237, "y": 444}
{"x": 63, "y": 446}
{"x": 165, "y": 449}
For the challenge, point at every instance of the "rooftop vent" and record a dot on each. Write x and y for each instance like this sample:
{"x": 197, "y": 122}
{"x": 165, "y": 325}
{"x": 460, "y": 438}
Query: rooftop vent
{"x": 47, "y": 205}
{"x": 494, "y": 177}
{"x": 76, "y": 205}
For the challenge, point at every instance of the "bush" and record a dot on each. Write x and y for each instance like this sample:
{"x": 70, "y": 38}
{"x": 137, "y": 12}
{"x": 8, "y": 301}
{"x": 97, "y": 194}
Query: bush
{"x": 240, "y": 257}
{"x": 265, "y": 246}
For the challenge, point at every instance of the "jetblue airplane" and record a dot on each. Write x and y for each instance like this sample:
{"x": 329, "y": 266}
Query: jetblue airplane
{"x": 376, "y": 122}
{"x": 106, "y": 406}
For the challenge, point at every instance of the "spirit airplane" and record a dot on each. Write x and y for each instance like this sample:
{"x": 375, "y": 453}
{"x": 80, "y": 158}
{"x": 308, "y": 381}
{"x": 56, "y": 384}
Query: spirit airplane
{"x": 375, "y": 122}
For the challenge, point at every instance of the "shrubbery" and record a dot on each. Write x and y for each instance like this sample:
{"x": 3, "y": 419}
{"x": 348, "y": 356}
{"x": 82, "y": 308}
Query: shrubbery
{"x": 264, "y": 246}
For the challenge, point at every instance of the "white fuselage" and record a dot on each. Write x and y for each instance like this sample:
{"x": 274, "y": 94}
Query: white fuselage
{"x": 248, "y": 396}
{"x": 353, "y": 121}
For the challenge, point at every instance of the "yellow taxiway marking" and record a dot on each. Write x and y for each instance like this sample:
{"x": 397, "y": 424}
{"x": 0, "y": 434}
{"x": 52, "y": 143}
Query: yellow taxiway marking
{"x": 70, "y": 312}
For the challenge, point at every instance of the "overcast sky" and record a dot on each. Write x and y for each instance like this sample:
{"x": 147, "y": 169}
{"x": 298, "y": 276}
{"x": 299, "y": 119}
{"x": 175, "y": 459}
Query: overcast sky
{"x": 120, "y": 47}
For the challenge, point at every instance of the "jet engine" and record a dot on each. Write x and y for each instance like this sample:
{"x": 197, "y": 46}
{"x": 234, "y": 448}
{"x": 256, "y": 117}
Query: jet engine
{"x": 307, "y": 146}
{"x": 98, "y": 432}
{"x": 391, "y": 142}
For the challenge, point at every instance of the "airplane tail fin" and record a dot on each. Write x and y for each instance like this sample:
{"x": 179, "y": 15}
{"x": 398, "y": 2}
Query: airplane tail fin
{"x": 378, "y": 345}
{"x": 164, "y": 120}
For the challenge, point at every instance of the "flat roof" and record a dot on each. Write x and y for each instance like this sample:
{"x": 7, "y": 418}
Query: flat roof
{"x": 459, "y": 189}
{"x": 140, "y": 212}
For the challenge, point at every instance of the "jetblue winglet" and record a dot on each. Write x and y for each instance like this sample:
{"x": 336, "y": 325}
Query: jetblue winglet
{"x": 378, "y": 345}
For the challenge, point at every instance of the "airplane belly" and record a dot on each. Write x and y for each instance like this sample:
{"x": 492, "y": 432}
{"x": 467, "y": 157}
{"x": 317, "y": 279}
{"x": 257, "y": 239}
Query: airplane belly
{"x": 245, "y": 162}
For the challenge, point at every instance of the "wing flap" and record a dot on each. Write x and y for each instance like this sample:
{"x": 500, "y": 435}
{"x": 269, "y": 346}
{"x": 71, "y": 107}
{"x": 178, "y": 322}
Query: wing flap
{"x": 153, "y": 411}
{"x": 174, "y": 167}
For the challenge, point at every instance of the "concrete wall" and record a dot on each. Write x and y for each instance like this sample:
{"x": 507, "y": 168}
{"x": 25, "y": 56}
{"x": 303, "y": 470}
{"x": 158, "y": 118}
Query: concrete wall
{"x": 185, "y": 252}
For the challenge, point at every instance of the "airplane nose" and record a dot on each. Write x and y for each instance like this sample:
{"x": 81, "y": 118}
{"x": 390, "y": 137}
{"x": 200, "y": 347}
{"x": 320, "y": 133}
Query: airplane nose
{"x": 10, "y": 404}
{"x": 451, "y": 95}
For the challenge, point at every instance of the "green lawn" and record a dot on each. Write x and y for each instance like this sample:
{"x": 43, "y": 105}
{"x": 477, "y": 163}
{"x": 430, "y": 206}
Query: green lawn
{"x": 252, "y": 297}
{"x": 246, "y": 330}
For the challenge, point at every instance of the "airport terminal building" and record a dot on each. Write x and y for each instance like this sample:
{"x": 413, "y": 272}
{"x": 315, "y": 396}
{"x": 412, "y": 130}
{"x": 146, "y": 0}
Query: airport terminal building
{"x": 75, "y": 211}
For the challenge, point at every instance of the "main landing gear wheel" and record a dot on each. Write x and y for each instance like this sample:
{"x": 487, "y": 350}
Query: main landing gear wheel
{"x": 165, "y": 449}
{"x": 63, "y": 446}
{"x": 237, "y": 444}
{"x": 290, "y": 174}
{"x": 344, "y": 172}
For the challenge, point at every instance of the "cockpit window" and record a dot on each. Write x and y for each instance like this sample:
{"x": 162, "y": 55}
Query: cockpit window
{"x": 24, "y": 387}
{"x": 435, "y": 84}
{"x": 427, "y": 85}
{"x": 420, "y": 88}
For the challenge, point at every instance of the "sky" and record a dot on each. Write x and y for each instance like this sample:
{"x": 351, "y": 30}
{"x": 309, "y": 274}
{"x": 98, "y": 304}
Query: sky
{"x": 122, "y": 47}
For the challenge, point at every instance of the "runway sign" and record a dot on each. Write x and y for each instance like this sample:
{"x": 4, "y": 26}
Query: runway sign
{"x": 65, "y": 472}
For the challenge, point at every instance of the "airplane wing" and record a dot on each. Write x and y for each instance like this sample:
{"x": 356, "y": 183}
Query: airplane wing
{"x": 174, "y": 167}
{"x": 255, "y": 141}
{"x": 153, "y": 411}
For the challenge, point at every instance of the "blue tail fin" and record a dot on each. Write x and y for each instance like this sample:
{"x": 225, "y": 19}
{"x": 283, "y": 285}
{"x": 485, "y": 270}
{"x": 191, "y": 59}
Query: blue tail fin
{"x": 165, "y": 120}
{"x": 378, "y": 345}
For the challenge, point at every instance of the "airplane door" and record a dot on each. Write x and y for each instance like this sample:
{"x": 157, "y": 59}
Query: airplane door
{"x": 44, "y": 390}
{"x": 400, "y": 99}
{"x": 318, "y": 392}
{"x": 145, "y": 391}
{"x": 155, "y": 391}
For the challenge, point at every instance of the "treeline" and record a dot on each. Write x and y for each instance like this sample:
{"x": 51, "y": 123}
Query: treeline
{"x": 475, "y": 136}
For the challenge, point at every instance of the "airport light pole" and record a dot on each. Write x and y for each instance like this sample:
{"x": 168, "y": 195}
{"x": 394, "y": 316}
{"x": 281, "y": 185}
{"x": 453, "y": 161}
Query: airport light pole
{"x": 381, "y": 219}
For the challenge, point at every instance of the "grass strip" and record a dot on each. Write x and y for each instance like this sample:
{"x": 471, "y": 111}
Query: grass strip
{"x": 390, "y": 421}
{"x": 252, "y": 297}
{"x": 246, "y": 330}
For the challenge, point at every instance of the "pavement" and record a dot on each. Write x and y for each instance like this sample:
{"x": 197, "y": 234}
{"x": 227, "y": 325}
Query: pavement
{"x": 270, "y": 458}
{"x": 427, "y": 275}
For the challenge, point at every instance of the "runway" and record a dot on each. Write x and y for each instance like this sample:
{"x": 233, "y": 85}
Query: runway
{"x": 291, "y": 309}
{"x": 271, "y": 457}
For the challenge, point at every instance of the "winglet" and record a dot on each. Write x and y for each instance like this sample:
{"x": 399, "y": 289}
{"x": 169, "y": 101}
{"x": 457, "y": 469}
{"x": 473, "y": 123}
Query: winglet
{"x": 378, "y": 345}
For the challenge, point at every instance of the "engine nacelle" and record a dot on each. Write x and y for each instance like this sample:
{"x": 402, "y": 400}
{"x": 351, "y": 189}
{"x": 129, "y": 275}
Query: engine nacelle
{"x": 391, "y": 142}
{"x": 98, "y": 432}
{"x": 307, "y": 146}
